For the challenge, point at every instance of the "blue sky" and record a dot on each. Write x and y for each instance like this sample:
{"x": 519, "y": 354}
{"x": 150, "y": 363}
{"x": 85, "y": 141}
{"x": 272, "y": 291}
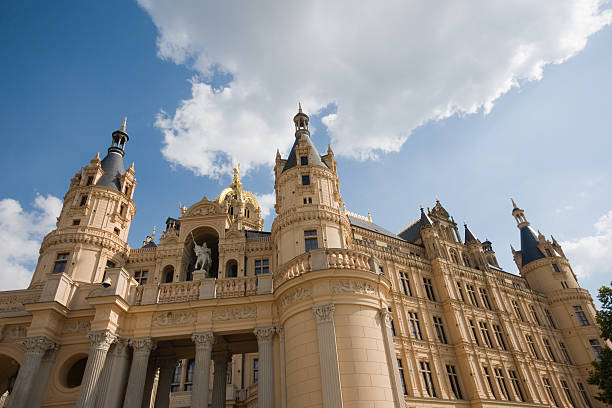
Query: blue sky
{"x": 72, "y": 70}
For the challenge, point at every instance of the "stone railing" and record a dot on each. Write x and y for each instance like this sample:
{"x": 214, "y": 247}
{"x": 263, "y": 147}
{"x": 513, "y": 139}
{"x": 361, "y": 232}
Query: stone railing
{"x": 179, "y": 292}
{"x": 235, "y": 287}
{"x": 324, "y": 258}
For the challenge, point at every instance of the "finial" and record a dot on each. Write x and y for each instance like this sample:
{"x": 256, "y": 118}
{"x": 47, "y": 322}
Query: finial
{"x": 464, "y": 223}
{"x": 513, "y": 203}
{"x": 300, "y": 107}
{"x": 124, "y": 125}
{"x": 421, "y": 207}
{"x": 437, "y": 200}
{"x": 97, "y": 156}
{"x": 369, "y": 216}
{"x": 153, "y": 234}
{"x": 344, "y": 207}
{"x": 329, "y": 150}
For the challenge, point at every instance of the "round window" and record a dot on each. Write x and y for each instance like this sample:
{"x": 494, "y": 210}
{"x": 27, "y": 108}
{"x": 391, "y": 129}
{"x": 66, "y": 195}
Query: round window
{"x": 74, "y": 376}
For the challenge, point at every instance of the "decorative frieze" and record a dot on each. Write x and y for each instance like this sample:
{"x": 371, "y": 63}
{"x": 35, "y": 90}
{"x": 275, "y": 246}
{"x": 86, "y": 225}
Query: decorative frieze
{"x": 234, "y": 313}
{"x": 173, "y": 318}
{"x": 352, "y": 286}
{"x": 76, "y": 326}
{"x": 296, "y": 295}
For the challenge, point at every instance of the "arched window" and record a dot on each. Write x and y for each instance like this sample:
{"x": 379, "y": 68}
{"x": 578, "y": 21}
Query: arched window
{"x": 231, "y": 269}
{"x": 466, "y": 261}
{"x": 168, "y": 274}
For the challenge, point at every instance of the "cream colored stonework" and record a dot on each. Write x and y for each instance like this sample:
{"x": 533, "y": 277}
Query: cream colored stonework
{"x": 353, "y": 322}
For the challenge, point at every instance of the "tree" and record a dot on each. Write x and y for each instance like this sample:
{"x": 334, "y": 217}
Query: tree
{"x": 601, "y": 376}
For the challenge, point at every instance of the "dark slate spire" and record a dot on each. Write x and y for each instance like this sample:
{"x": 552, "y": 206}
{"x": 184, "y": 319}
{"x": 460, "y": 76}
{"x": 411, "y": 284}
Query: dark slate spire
{"x": 469, "y": 237}
{"x": 302, "y": 133}
{"x": 529, "y": 238}
{"x": 413, "y": 232}
{"x": 425, "y": 220}
{"x": 112, "y": 164}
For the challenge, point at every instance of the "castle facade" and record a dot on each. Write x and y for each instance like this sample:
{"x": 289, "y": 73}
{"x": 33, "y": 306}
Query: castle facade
{"x": 325, "y": 310}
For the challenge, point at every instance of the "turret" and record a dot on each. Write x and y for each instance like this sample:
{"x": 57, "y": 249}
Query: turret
{"x": 308, "y": 201}
{"x": 93, "y": 226}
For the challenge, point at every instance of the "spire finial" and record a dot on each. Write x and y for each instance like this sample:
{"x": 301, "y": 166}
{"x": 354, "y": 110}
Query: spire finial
{"x": 437, "y": 199}
{"x": 124, "y": 124}
{"x": 421, "y": 207}
{"x": 464, "y": 223}
{"x": 153, "y": 234}
{"x": 300, "y": 107}
{"x": 369, "y": 216}
{"x": 513, "y": 203}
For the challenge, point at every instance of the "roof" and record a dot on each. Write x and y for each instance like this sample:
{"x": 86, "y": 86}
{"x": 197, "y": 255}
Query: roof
{"x": 150, "y": 244}
{"x": 413, "y": 231}
{"x": 315, "y": 157}
{"x": 113, "y": 168}
{"x": 529, "y": 246}
{"x": 370, "y": 226}
{"x": 257, "y": 234}
{"x": 469, "y": 237}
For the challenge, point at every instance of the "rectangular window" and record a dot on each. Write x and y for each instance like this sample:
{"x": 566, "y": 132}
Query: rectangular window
{"x": 582, "y": 319}
{"x": 83, "y": 201}
{"x": 427, "y": 378}
{"x": 517, "y": 311}
{"x": 392, "y": 325}
{"x": 549, "y": 350}
{"x": 305, "y": 180}
{"x": 532, "y": 347}
{"x": 440, "y": 329}
{"x": 60, "y": 262}
{"x": 262, "y": 266}
{"x": 309, "y": 200}
{"x": 584, "y": 395}
{"x": 485, "y": 369}
{"x": 501, "y": 383}
{"x": 90, "y": 180}
{"x": 516, "y": 385}
{"x": 401, "y": 373}
{"x": 175, "y": 386}
{"x": 228, "y": 377}
{"x": 405, "y": 283}
{"x": 499, "y": 336}
{"x": 415, "y": 328}
{"x": 564, "y": 284}
{"x": 76, "y": 222}
{"x": 567, "y": 392}
{"x": 485, "y": 298}
{"x": 460, "y": 290}
{"x": 304, "y": 160}
{"x": 556, "y": 268}
{"x": 548, "y": 252}
{"x": 472, "y": 294}
{"x": 484, "y": 330}
{"x": 141, "y": 277}
{"x": 454, "y": 381}
{"x": 117, "y": 231}
{"x": 189, "y": 375}
{"x": 255, "y": 370}
{"x": 534, "y": 315}
{"x": 596, "y": 347}
{"x": 474, "y": 333}
{"x": 565, "y": 353}
{"x": 429, "y": 289}
{"x": 549, "y": 391}
{"x": 550, "y": 319}
{"x": 310, "y": 240}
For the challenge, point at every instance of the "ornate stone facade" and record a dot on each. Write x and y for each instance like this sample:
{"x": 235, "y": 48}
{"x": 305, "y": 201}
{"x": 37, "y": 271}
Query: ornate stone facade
{"x": 325, "y": 310}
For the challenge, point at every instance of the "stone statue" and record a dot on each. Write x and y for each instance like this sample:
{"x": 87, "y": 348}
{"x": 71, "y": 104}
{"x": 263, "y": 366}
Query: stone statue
{"x": 203, "y": 254}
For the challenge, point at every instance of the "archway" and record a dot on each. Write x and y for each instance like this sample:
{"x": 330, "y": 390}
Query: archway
{"x": 231, "y": 269}
{"x": 168, "y": 274}
{"x": 8, "y": 374}
{"x": 201, "y": 235}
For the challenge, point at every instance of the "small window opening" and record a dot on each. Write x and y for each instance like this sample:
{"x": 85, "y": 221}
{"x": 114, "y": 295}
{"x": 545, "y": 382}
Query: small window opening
{"x": 305, "y": 180}
{"x": 304, "y": 160}
{"x": 60, "y": 263}
{"x": 90, "y": 180}
{"x": 76, "y": 222}
{"x": 83, "y": 201}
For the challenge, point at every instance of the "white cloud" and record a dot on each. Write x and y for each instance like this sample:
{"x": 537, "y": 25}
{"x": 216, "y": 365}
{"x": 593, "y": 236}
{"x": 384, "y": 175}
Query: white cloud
{"x": 592, "y": 255}
{"x": 21, "y": 233}
{"x": 387, "y": 66}
{"x": 266, "y": 203}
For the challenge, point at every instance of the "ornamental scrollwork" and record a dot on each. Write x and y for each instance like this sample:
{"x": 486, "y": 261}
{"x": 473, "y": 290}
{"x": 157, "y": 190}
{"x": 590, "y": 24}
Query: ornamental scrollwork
{"x": 143, "y": 345}
{"x": 264, "y": 334}
{"x": 295, "y": 295}
{"x": 352, "y": 286}
{"x": 101, "y": 339}
{"x": 38, "y": 345}
{"x": 235, "y": 313}
{"x": 203, "y": 340}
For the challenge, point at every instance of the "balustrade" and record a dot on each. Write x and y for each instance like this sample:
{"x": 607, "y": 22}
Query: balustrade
{"x": 179, "y": 292}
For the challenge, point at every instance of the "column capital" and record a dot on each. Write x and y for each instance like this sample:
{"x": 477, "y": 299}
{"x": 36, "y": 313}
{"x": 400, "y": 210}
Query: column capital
{"x": 38, "y": 345}
{"x": 264, "y": 334}
{"x": 143, "y": 345}
{"x": 324, "y": 313}
{"x": 281, "y": 332}
{"x": 121, "y": 347}
{"x": 101, "y": 339}
{"x": 203, "y": 340}
{"x": 386, "y": 316}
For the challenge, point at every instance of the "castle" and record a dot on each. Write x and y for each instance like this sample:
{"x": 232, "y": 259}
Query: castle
{"x": 325, "y": 310}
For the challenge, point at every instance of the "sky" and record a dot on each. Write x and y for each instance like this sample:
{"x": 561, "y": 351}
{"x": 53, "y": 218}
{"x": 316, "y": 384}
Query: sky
{"x": 472, "y": 103}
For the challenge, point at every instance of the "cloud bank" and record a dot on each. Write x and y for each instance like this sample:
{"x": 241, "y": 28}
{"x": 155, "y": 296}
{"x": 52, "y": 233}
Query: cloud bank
{"x": 21, "y": 233}
{"x": 592, "y": 255}
{"x": 387, "y": 67}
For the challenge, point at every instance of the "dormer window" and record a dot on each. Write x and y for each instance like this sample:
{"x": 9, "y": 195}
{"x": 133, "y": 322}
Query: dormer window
{"x": 90, "y": 180}
{"x": 83, "y": 201}
{"x": 306, "y": 180}
{"x": 304, "y": 160}
{"x": 548, "y": 252}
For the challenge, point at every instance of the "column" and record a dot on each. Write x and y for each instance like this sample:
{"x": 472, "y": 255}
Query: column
{"x": 265, "y": 386}
{"x": 394, "y": 375}
{"x": 118, "y": 375}
{"x": 36, "y": 347}
{"x": 138, "y": 371}
{"x": 166, "y": 370}
{"x": 102, "y": 387}
{"x": 221, "y": 360}
{"x": 150, "y": 387}
{"x": 38, "y": 393}
{"x": 328, "y": 356}
{"x": 283, "y": 380}
{"x": 100, "y": 343}
{"x": 203, "y": 345}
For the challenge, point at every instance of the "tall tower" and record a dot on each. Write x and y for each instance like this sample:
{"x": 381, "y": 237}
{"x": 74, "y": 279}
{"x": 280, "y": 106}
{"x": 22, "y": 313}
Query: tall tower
{"x": 308, "y": 201}
{"x": 544, "y": 265}
{"x": 93, "y": 226}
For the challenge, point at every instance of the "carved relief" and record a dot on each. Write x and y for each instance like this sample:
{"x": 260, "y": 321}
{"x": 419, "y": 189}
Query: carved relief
{"x": 295, "y": 295}
{"x": 173, "y": 318}
{"x": 13, "y": 333}
{"x": 352, "y": 286}
{"x": 235, "y": 313}
{"x": 324, "y": 313}
{"x": 76, "y": 326}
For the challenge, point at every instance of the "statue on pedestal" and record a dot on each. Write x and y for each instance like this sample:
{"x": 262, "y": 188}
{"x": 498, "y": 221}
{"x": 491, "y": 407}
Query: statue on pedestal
{"x": 204, "y": 258}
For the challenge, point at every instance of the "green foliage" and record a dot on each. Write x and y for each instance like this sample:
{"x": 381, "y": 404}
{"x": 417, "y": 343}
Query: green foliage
{"x": 601, "y": 376}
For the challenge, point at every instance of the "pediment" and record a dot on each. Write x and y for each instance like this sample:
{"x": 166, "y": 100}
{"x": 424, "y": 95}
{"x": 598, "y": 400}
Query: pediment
{"x": 202, "y": 208}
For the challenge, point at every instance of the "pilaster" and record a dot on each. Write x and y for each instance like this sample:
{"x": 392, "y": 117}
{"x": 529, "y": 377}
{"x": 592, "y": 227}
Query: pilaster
{"x": 265, "y": 398}
{"x": 118, "y": 375}
{"x": 394, "y": 375}
{"x": 221, "y": 360}
{"x": 328, "y": 356}
{"x": 203, "y": 345}
{"x": 138, "y": 371}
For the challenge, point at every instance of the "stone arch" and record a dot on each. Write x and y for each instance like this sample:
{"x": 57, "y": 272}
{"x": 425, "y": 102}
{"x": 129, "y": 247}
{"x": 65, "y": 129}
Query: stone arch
{"x": 202, "y": 234}
{"x": 8, "y": 374}
{"x": 168, "y": 274}
{"x": 231, "y": 268}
